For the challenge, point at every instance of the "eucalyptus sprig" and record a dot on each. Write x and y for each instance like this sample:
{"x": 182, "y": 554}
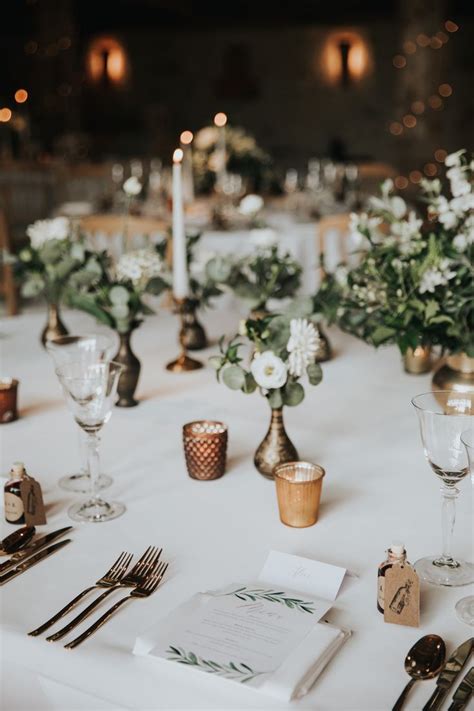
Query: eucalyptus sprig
{"x": 237, "y": 671}
{"x": 279, "y": 597}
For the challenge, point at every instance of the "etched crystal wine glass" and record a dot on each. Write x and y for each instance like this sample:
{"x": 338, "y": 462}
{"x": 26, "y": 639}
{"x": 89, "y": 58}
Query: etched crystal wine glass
{"x": 90, "y": 348}
{"x": 443, "y": 416}
{"x": 90, "y": 391}
{"x": 465, "y": 606}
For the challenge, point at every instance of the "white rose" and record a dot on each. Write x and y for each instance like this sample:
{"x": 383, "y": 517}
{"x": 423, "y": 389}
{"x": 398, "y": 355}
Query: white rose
{"x": 398, "y": 206}
{"x": 268, "y": 370}
{"x": 250, "y": 205}
{"x": 43, "y": 231}
{"x": 264, "y": 238}
{"x": 132, "y": 186}
{"x": 454, "y": 158}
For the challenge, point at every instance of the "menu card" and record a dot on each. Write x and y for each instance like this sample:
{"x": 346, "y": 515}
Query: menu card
{"x": 246, "y": 632}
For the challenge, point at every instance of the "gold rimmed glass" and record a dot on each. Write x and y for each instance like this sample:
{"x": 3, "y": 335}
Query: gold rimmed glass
{"x": 443, "y": 416}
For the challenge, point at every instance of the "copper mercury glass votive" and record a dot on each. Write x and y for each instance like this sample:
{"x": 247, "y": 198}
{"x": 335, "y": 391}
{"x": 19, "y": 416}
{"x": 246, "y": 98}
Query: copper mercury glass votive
{"x": 298, "y": 487}
{"x": 8, "y": 400}
{"x": 205, "y": 449}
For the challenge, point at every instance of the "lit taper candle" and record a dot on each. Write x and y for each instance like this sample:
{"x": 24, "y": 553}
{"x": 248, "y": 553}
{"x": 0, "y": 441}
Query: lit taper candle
{"x": 220, "y": 120}
{"x": 180, "y": 267}
{"x": 186, "y": 140}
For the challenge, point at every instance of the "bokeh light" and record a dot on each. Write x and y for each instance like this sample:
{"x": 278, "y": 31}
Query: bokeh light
{"x": 423, "y": 40}
{"x": 418, "y": 107}
{"x": 440, "y": 155}
{"x": 220, "y": 119}
{"x": 399, "y": 61}
{"x": 186, "y": 137}
{"x": 409, "y": 47}
{"x": 401, "y": 182}
{"x": 5, "y": 115}
{"x": 451, "y": 26}
{"x": 396, "y": 128}
{"x": 416, "y": 176}
{"x": 21, "y": 95}
{"x": 435, "y": 102}
{"x": 445, "y": 89}
{"x": 409, "y": 120}
{"x": 430, "y": 169}
{"x": 436, "y": 43}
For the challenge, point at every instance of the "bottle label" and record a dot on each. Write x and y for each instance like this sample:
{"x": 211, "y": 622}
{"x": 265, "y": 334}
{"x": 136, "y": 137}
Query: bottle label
{"x": 14, "y": 509}
{"x": 381, "y": 591}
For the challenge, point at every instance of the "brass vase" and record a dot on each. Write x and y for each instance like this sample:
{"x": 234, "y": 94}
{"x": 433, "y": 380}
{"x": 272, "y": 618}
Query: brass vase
{"x": 192, "y": 335}
{"x": 324, "y": 351}
{"x": 54, "y": 327}
{"x": 129, "y": 378}
{"x": 457, "y": 373}
{"x": 276, "y": 447}
{"x": 417, "y": 360}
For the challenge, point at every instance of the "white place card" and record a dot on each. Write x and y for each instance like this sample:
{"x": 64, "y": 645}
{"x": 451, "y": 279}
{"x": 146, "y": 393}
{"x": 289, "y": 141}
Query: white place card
{"x": 302, "y": 574}
{"x": 264, "y": 634}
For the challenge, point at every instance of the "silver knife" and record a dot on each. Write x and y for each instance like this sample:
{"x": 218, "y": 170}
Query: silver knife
{"x": 463, "y": 693}
{"x": 449, "y": 673}
{"x": 32, "y": 547}
{"x": 32, "y": 561}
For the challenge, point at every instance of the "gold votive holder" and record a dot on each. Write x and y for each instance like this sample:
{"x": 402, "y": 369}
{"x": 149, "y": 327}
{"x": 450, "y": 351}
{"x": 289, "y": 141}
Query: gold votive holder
{"x": 8, "y": 400}
{"x": 205, "y": 449}
{"x": 417, "y": 360}
{"x": 298, "y": 487}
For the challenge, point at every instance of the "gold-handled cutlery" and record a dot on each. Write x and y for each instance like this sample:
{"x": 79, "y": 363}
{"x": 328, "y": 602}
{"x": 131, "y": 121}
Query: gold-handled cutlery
{"x": 143, "y": 590}
{"x": 450, "y": 671}
{"x": 29, "y": 549}
{"x": 424, "y": 661}
{"x": 134, "y": 578}
{"x": 109, "y": 579}
{"x": 463, "y": 693}
{"x": 30, "y": 562}
{"x": 17, "y": 540}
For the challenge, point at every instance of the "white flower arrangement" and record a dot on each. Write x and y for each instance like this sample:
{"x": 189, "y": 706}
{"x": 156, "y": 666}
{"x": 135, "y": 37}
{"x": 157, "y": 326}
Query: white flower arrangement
{"x": 251, "y": 205}
{"x": 43, "y": 231}
{"x": 302, "y": 346}
{"x": 139, "y": 267}
{"x": 132, "y": 187}
{"x": 268, "y": 370}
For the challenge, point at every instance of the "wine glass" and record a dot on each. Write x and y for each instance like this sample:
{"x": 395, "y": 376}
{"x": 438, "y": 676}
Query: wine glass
{"x": 90, "y": 391}
{"x": 465, "y": 606}
{"x": 443, "y": 416}
{"x": 88, "y": 349}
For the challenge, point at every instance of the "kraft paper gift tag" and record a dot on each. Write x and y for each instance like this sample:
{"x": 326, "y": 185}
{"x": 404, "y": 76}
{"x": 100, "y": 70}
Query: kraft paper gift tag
{"x": 32, "y": 497}
{"x": 402, "y": 596}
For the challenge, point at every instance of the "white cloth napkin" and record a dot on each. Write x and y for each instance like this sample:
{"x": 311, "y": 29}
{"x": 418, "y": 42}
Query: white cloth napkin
{"x": 295, "y": 677}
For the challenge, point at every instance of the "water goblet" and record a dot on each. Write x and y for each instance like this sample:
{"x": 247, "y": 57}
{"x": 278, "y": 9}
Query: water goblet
{"x": 443, "y": 416}
{"x": 90, "y": 348}
{"x": 90, "y": 391}
{"x": 465, "y": 606}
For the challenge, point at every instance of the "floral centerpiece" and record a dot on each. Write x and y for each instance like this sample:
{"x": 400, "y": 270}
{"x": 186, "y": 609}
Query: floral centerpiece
{"x": 251, "y": 207}
{"x": 283, "y": 351}
{"x": 117, "y": 297}
{"x": 414, "y": 283}
{"x": 266, "y": 273}
{"x": 45, "y": 265}
{"x": 243, "y": 156}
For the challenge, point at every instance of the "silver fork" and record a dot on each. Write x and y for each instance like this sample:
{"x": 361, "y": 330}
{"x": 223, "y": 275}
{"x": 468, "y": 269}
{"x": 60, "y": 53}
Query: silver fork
{"x": 132, "y": 579}
{"x": 109, "y": 579}
{"x": 147, "y": 587}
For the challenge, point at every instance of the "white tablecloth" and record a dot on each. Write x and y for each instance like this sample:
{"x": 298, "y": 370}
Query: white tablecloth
{"x": 358, "y": 424}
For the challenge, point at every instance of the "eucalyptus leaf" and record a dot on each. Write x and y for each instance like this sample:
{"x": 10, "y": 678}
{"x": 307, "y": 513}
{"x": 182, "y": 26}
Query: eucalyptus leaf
{"x": 234, "y": 377}
{"x": 250, "y": 385}
{"x": 315, "y": 373}
{"x": 382, "y": 334}
{"x": 293, "y": 394}
{"x": 275, "y": 399}
{"x": 119, "y": 295}
{"x": 215, "y": 362}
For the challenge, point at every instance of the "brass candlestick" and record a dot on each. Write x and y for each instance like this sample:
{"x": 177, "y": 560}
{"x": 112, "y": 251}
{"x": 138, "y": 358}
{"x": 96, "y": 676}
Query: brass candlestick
{"x": 183, "y": 362}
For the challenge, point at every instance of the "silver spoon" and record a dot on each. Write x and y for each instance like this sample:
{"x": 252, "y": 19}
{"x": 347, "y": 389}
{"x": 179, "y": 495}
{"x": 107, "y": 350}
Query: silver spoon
{"x": 17, "y": 540}
{"x": 423, "y": 661}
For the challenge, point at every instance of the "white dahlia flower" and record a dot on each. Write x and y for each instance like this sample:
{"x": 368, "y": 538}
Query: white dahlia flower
{"x": 302, "y": 345}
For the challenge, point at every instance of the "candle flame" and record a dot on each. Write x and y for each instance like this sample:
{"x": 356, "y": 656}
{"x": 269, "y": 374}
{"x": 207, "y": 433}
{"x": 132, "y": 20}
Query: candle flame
{"x": 220, "y": 119}
{"x": 178, "y": 156}
{"x": 186, "y": 137}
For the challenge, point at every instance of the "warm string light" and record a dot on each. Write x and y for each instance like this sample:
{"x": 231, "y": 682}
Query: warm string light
{"x": 430, "y": 169}
{"x": 444, "y": 91}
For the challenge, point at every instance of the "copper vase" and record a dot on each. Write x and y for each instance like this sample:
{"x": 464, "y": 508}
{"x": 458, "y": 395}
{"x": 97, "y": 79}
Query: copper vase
{"x": 457, "y": 373}
{"x": 54, "y": 327}
{"x": 129, "y": 378}
{"x": 324, "y": 350}
{"x": 276, "y": 447}
{"x": 192, "y": 335}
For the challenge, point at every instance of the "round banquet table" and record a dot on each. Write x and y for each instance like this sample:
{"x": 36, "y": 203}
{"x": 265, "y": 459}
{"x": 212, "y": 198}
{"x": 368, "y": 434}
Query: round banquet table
{"x": 358, "y": 424}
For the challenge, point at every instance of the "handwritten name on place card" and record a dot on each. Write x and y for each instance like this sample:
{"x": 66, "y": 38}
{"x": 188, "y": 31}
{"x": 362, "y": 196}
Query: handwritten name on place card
{"x": 302, "y": 574}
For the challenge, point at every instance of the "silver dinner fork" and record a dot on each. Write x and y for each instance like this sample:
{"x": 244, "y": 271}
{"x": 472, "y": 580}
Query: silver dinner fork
{"x": 147, "y": 587}
{"x": 108, "y": 580}
{"x": 132, "y": 579}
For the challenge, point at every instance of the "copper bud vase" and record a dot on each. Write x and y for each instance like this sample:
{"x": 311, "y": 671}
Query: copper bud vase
{"x": 276, "y": 447}
{"x": 128, "y": 380}
{"x": 417, "y": 361}
{"x": 54, "y": 327}
{"x": 192, "y": 335}
{"x": 324, "y": 351}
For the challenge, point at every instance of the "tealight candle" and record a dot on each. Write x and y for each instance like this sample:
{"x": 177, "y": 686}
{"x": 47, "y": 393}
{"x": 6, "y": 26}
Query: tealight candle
{"x": 8, "y": 400}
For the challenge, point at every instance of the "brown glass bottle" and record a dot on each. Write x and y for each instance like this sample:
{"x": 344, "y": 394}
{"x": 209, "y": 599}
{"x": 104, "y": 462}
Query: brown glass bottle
{"x": 14, "y": 509}
{"x": 395, "y": 554}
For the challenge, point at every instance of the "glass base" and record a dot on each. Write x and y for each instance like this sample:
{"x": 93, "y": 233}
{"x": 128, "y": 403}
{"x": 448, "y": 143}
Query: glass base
{"x": 465, "y": 610}
{"x": 431, "y": 570}
{"x": 81, "y": 483}
{"x": 96, "y": 511}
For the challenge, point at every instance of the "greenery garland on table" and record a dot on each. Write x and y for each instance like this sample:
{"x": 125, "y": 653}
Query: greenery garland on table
{"x": 414, "y": 283}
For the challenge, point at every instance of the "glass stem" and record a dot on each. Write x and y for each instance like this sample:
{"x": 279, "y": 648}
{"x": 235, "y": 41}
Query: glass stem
{"x": 448, "y": 518}
{"x": 92, "y": 442}
{"x": 82, "y": 452}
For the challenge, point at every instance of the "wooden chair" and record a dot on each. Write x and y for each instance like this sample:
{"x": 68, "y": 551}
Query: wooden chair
{"x": 7, "y": 288}
{"x": 338, "y": 226}
{"x": 103, "y": 229}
